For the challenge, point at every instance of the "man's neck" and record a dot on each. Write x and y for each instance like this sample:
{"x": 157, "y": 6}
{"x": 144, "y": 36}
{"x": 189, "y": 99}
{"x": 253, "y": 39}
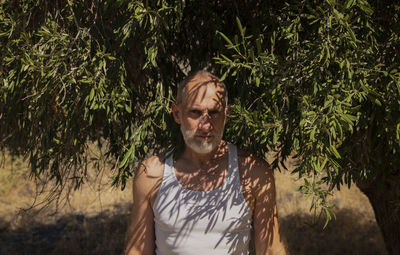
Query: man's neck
{"x": 205, "y": 160}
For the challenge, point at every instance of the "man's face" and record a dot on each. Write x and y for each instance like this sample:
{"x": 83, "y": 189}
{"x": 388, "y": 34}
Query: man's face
{"x": 202, "y": 114}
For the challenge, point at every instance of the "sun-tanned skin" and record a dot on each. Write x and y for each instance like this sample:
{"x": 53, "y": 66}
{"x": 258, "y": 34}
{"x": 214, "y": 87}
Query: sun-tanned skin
{"x": 203, "y": 111}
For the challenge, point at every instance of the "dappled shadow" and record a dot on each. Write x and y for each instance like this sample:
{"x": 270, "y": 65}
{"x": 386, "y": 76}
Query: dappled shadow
{"x": 179, "y": 211}
{"x": 348, "y": 234}
{"x": 209, "y": 205}
{"x": 104, "y": 234}
{"x": 199, "y": 81}
{"x": 71, "y": 234}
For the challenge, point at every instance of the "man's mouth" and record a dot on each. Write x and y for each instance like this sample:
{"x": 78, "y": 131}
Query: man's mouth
{"x": 205, "y": 136}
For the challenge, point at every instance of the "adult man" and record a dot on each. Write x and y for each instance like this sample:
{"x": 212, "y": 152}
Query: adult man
{"x": 213, "y": 198}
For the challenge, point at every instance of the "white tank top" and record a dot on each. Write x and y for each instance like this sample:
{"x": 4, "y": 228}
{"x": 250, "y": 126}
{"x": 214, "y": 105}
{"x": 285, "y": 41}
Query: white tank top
{"x": 216, "y": 222}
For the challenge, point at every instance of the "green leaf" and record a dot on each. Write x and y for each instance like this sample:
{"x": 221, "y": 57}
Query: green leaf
{"x": 91, "y": 96}
{"x": 127, "y": 155}
{"x": 225, "y": 38}
{"x": 334, "y": 151}
{"x": 128, "y": 108}
{"x": 241, "y": 30}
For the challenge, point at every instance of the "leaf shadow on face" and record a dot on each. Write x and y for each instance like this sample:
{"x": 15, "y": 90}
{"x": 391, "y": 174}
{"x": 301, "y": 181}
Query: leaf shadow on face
{"x": 197, "y": 89}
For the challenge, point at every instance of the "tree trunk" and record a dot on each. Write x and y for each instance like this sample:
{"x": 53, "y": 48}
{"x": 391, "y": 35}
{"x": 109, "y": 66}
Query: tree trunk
{"x": 384, "y": 196}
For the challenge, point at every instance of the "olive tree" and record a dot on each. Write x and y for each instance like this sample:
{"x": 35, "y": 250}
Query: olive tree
{"x": 325, "y": 83}
{"x": 319, "y": 79}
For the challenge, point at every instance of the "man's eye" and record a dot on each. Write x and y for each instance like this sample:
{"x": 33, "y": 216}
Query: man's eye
{"x": 214, "y": 112}
{"x": 196, "y": 112}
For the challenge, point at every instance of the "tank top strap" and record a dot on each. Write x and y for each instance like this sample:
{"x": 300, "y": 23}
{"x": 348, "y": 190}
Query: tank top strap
{"x": 169, "y": 166}
{"x": 233, "y": 170}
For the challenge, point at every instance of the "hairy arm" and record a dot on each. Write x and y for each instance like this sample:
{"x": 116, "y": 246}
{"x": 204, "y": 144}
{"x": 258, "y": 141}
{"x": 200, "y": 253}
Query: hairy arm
{"x": 140, "y": 239}
{"x": 267, "y": 239}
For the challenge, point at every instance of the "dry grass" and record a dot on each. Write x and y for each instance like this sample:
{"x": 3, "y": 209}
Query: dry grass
{"x": 95, "y": 218}
{"x": 353, "y": 232}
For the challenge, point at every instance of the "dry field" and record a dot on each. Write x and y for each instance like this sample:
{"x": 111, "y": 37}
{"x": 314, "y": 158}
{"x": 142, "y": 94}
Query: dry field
{"x": 93, "y": 220}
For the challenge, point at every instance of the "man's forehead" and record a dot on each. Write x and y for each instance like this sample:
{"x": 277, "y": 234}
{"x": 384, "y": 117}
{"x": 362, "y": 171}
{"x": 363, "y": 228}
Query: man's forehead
{"x": 204, "y": 95}
{"x": 205, "y": 79}
{"x": 204, "y": 86}
{"x": 209, "y": 105}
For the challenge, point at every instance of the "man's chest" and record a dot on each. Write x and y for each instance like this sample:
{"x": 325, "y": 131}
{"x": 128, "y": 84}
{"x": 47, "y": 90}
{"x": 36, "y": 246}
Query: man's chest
{"x": 204, "y": 178}
{"x": 182, "y": 210}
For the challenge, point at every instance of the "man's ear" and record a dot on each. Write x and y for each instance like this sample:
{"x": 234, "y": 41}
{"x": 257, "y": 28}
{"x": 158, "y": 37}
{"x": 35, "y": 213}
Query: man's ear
{"x": 227, "y": 110}
{"x": 175, "y": 113}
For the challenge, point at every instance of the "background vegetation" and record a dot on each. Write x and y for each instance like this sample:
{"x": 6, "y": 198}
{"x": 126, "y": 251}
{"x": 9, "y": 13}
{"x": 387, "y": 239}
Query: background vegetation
{"x": 320, "y": 78}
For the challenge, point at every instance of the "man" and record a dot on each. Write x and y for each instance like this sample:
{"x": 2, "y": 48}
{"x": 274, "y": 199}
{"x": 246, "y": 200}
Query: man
{"x": 210, "y": 198}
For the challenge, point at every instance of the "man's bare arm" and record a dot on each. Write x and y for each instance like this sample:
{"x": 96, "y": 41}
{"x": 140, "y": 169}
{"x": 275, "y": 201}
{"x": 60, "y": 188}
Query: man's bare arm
{"x": 140, "y": 239}
{"x": 267, "y": 239}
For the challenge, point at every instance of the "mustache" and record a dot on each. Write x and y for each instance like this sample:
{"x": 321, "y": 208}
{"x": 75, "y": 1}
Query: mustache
{"x": 204, "y": 133}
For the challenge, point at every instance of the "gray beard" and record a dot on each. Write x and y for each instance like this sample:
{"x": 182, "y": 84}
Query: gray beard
{"x": 202, "y": 147}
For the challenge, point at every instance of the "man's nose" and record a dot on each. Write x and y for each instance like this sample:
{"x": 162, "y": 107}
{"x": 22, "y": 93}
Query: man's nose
{"x": 205, "y": 122}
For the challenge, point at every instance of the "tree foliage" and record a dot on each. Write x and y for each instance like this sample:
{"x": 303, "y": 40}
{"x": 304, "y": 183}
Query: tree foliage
{"x": 326, "y": 84}
{"x": 319, "y": 78}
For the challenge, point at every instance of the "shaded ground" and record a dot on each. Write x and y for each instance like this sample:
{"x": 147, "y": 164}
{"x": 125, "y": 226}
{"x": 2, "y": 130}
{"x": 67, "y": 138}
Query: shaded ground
{"x": 70, "y": 234}
{"x": 348, "y": 234}
{"x": 95, "y": 220}
{"x": 104, "y": 234}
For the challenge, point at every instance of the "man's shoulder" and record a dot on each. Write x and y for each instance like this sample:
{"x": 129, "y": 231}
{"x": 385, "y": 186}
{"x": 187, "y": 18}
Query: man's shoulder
{"x": 252, "y": 162}
{"x": 254, "y": 168}
{"x": 256, "y": 177}
{"x": 148, "y": 176}
{"x": 152, "y": 167}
